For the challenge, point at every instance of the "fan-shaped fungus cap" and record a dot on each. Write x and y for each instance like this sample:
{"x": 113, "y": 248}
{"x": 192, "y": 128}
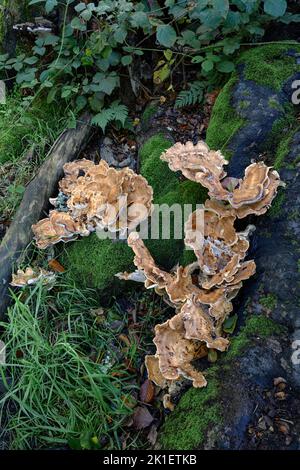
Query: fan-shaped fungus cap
{"x": 154, "y": 373}
{"x": 31, "y": 276}
{"x": 58, "y": 227}
{"x": 198, "y": 163}
{"x": 175, "y": 353}
{"x": 99, "y": 197}
{"x": 200, "y": 326}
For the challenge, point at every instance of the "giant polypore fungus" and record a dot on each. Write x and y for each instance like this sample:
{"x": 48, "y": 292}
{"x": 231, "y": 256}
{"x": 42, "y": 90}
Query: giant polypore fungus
{"x": 202, "y": 292}
{"x": 96, "y": 197}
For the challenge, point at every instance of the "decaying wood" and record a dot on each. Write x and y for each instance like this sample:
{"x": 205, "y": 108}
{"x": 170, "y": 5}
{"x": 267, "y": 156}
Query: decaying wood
{"x": 36, "y": 200}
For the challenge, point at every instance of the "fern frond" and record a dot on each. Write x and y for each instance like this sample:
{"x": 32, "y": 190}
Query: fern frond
{"x": 191, "y": 96}
{"x": 116, "y": 112}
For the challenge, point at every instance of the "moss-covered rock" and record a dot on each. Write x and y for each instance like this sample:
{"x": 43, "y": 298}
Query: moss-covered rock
{"x": 251, "y": 110}
{"x": 202, "y": 412}
{"x": 94, "y": 262}
{"x": 225, "y": 121}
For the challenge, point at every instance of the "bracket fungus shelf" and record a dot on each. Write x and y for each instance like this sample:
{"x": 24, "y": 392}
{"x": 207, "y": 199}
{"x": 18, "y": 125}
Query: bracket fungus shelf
{"x": 94, "y": 197}
{"x": 202, "y": 292}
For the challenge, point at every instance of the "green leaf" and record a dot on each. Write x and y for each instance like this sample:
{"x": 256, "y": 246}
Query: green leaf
{"x": 81, "y": 102}
{"x": 103, "y": 118}
{"x": 225, "y": 66}
{"x": 31, "y": 60}
{"x": 76, "y": 23}
{"x": 39, "y": 50}
{"x": 230, "y": 46}
{"x": 51, "y": 39}
{"x": 197, "y": 59}
{"x": 126, "y": 59}
{"x": 80, "y": 7}
{"x": 275, "y": 8}
{"x": 191, "y": 96}
{"x": 230, "y": 324}
{"x": 139, "y": 19}
{"x": 50, "y": 5}
{"x": 120, "y": 112}
{"x": 51, "y": 95}
{"x": 166, "y": 35}
{"x": 168, "y": 54}
{"x": 120, "y": 35}
{"x": 207, "y": 65}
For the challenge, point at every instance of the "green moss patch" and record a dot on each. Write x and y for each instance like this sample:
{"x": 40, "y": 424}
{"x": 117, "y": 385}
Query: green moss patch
{"x": 198, "y": 409}
{"x": 269, "y": 65}
{"x": 256, "y": 325}
{"x": 224, "y": 122}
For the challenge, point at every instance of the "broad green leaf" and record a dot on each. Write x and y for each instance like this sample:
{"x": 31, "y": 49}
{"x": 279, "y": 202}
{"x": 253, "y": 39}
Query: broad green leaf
{"x": 207, "y": 65}
{"x": 76, "y": 23}
{"x": 80, "y": 7}
{"x": 126, "y": 60}
{"x": 31, "y": 60}
{"x": 50, "y": 5}
{"x": 197, "y": 59}
{"x": 230, "y": 46}
{"x": 120, "y": 35}
{"x": 225, "y": 66}
{"x": 81, "y": 102}
{"x": 139, "y": 19}
{"x": 39, "y": 50}
{"x": 275, "y": 8}
{"x": 166, "y": 35}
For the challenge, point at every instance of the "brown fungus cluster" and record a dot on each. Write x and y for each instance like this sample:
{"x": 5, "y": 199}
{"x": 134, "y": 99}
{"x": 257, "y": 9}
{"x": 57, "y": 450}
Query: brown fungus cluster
{"x": 96, "y": 197}
{"x": 202, "y": 292}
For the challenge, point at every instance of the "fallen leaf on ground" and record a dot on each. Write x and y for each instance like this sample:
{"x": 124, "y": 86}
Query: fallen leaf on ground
{"x": 142, "y": 418}
{"x": 56, "y": 266}
{"x": 147, "y": 391}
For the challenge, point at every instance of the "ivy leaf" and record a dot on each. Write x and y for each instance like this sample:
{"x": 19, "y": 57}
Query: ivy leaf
{"x": 166, "y": 35}
{"x": 51, "y": 39}
{"x": 275, "y": 8}
{"x": 225, "y": 66}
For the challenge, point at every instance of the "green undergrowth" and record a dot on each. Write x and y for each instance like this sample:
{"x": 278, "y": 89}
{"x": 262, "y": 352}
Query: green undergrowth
{"x": 25, "y": 125}
{"x": 64, "y": 371}
{"x": 224, "y": 122}
{"x": 94, "y": 262}
{"x": 199, "y": 410}
{"x": 27, "y": 131}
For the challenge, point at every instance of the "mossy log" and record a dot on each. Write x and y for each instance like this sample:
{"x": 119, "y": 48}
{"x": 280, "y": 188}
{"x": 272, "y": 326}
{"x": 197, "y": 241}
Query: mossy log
{"x": 36, "y": 201}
